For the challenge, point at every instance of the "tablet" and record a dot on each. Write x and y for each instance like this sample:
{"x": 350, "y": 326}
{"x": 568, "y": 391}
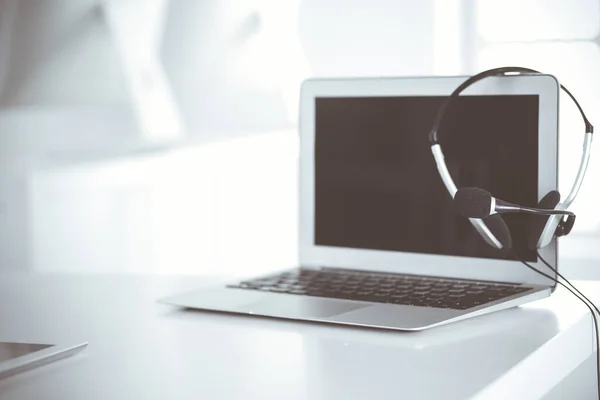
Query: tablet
{"x": 19, "y": 357}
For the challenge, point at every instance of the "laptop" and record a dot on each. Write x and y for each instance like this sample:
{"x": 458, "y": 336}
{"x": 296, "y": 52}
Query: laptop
{"x": 379, "y": 243}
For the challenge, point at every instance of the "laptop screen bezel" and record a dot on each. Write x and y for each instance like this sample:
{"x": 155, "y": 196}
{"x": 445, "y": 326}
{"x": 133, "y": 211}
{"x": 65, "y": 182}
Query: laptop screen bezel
{"x": 310, "y": 254}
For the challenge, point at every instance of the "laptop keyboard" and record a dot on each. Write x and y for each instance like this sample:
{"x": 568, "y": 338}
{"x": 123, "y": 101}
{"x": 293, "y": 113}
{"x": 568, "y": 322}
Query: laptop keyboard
{"x": 413, "y": 290}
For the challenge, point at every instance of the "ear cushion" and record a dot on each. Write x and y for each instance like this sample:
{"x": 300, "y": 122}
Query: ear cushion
{"x": 499, "y": 229}
{"x": 538, "y": 222}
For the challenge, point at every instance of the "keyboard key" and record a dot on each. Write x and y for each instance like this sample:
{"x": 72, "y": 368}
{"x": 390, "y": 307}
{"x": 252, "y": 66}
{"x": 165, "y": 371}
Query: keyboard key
{"x": 460, "y": 285}
{"x": 439, "y": 289}
{"x": 421, "y": 287}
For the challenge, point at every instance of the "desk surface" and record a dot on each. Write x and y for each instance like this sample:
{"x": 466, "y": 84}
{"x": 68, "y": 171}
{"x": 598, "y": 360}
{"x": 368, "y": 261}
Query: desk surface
{"x": 139, "y": 349}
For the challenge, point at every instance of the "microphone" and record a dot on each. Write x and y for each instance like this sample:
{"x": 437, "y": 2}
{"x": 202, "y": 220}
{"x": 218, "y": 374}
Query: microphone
{"x": 473, "y": 202}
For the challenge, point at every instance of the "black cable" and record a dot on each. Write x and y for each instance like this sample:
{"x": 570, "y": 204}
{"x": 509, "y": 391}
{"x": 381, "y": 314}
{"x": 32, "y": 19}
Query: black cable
{"x": 592, "y": 304}
{"x": 581, "y": 298}
{"x": 595, "y": 320}
{"x": 566, "y": 280}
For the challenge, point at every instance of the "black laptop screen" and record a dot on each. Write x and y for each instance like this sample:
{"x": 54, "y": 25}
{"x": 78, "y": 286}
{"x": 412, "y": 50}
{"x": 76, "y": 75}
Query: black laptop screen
{"x": 377, "y": 186}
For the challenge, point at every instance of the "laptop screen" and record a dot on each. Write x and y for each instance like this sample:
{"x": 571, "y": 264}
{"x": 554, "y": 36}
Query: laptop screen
{"x": 377, "y": 186}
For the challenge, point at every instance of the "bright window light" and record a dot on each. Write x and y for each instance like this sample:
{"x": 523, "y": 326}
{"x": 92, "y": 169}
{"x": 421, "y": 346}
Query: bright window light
{"x": 535, "y": 20}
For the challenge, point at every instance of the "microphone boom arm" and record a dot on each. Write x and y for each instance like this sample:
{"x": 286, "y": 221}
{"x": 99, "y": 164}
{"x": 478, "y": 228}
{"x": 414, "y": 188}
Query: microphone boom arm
{"x": 501, "y": 206}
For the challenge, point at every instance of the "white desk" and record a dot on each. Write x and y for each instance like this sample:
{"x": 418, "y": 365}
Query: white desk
{"x": 139, "y": 349}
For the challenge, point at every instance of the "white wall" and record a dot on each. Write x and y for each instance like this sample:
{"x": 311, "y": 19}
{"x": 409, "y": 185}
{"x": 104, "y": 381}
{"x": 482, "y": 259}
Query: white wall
{"x": 379, "y": 37}
{"x": 60, "y": 56}
{"x": 35, "y": 139}
{"x": 221, "y": 208}
{"x": 225, "y": 61}
{"x": 210, "y": 53}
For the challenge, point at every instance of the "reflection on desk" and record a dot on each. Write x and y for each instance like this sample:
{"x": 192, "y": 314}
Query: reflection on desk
{"x": 139, "y": 349}
{"x": 451, "y": 362}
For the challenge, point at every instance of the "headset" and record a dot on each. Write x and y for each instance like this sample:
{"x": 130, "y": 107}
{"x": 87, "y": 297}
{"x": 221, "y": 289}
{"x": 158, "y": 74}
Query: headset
{"x": 483, "y": 210}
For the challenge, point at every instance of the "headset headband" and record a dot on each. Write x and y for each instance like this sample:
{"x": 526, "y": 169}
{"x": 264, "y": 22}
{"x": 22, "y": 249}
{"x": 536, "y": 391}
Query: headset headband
{"x": 553, "y": 221}
{"x": 433, "y": 135}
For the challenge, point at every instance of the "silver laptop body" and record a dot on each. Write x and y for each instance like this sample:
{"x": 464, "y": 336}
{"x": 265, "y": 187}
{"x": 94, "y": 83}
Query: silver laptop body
{"x": 346, "y": 252}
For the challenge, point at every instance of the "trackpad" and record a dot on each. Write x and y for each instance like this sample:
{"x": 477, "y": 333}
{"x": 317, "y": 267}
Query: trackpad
{"x": 301, "y": 307}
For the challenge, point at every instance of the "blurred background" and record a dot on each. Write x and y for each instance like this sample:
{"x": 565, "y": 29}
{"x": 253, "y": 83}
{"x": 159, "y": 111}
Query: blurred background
{"x": 156, "y": 136}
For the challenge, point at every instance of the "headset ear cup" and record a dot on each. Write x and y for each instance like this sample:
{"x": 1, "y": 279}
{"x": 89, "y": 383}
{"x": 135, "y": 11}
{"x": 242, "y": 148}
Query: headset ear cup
{"x": 499, "y": 229}
{"x": 538, "y": 222}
